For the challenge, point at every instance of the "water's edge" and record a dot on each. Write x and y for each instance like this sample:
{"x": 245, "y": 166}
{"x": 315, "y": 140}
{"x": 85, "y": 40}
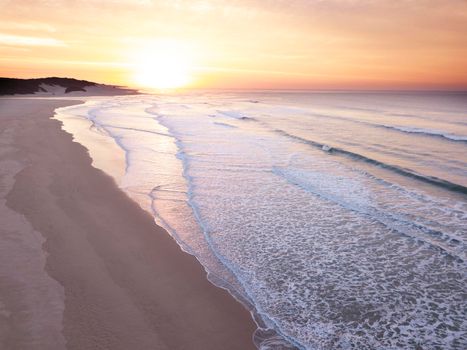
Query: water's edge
{"x": 266, "y": 336}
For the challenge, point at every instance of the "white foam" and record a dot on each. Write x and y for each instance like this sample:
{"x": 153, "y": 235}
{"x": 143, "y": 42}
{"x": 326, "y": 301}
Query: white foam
{"x": 431, "y": 132}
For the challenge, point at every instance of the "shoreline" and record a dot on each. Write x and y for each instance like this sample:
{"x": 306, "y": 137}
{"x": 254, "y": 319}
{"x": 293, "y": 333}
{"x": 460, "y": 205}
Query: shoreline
{"x": 120, "y": 291}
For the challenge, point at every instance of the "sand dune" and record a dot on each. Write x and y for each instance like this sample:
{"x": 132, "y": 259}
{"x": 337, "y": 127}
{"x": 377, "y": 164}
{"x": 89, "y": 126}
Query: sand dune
{"x": 58, "y": 87}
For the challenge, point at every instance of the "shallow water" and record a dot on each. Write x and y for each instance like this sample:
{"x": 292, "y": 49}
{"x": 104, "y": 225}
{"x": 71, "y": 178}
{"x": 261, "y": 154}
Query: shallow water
{"x": 339, "y": 217}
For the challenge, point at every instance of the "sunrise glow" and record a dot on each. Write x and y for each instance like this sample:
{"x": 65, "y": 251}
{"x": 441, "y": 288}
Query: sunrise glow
{"x": 299, "y": 44}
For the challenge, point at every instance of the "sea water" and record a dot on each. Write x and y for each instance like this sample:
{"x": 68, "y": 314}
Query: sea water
{"x": 338, "y": 218}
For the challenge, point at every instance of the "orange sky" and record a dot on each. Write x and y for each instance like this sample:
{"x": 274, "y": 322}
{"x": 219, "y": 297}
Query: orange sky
{"x": 316, "y": 44}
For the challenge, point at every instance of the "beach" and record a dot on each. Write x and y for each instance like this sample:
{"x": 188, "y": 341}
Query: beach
{"x": 82, "y": 266}
{"x": 337, "y": 218}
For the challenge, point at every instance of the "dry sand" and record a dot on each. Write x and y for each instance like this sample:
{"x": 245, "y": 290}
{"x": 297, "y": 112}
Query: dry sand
{"x": 84, "y": 267}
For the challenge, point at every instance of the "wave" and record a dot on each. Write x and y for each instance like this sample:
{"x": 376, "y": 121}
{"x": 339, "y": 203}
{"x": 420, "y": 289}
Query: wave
{"x": 235, "y": 115}
{"x": 225, "y": 125}
{"x": 404, "y": 129}
{"x": 428, "y": 132}
{"x": 353, "y": 200}
{"x": 106, "y": 126}
{"x": 432, "y": 180}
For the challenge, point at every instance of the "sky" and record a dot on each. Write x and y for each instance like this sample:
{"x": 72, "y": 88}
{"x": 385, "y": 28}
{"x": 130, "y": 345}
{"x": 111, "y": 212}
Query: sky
{"x": 263, "y": 44}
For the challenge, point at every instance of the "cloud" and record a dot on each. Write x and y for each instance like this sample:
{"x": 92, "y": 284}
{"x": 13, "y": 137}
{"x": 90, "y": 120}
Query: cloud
{"x": 27, "y": 26}
{"x": 19, "y": 40}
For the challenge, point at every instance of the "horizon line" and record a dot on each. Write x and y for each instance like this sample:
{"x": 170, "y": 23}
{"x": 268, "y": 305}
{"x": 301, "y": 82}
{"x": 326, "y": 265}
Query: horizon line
{"x": 367, "y": 90}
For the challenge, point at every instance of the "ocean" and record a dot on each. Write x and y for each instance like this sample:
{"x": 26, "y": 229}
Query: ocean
{"x": 338, "y": 218}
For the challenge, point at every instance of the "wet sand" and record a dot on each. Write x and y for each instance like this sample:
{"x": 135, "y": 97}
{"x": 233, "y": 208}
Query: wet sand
{"x": 84, "y": 267}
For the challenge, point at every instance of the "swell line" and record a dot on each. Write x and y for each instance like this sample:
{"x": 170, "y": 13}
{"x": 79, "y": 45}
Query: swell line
{"x": 404, "y": 129}
{"x": 427, "y": 132}
{"x": 432, "y": 180}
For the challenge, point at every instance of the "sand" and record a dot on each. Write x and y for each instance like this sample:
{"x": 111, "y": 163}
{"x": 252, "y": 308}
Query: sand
{"x": 84, "y": 267}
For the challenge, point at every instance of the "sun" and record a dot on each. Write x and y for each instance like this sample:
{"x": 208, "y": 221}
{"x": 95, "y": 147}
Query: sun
{"x": 162, "y": 65}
